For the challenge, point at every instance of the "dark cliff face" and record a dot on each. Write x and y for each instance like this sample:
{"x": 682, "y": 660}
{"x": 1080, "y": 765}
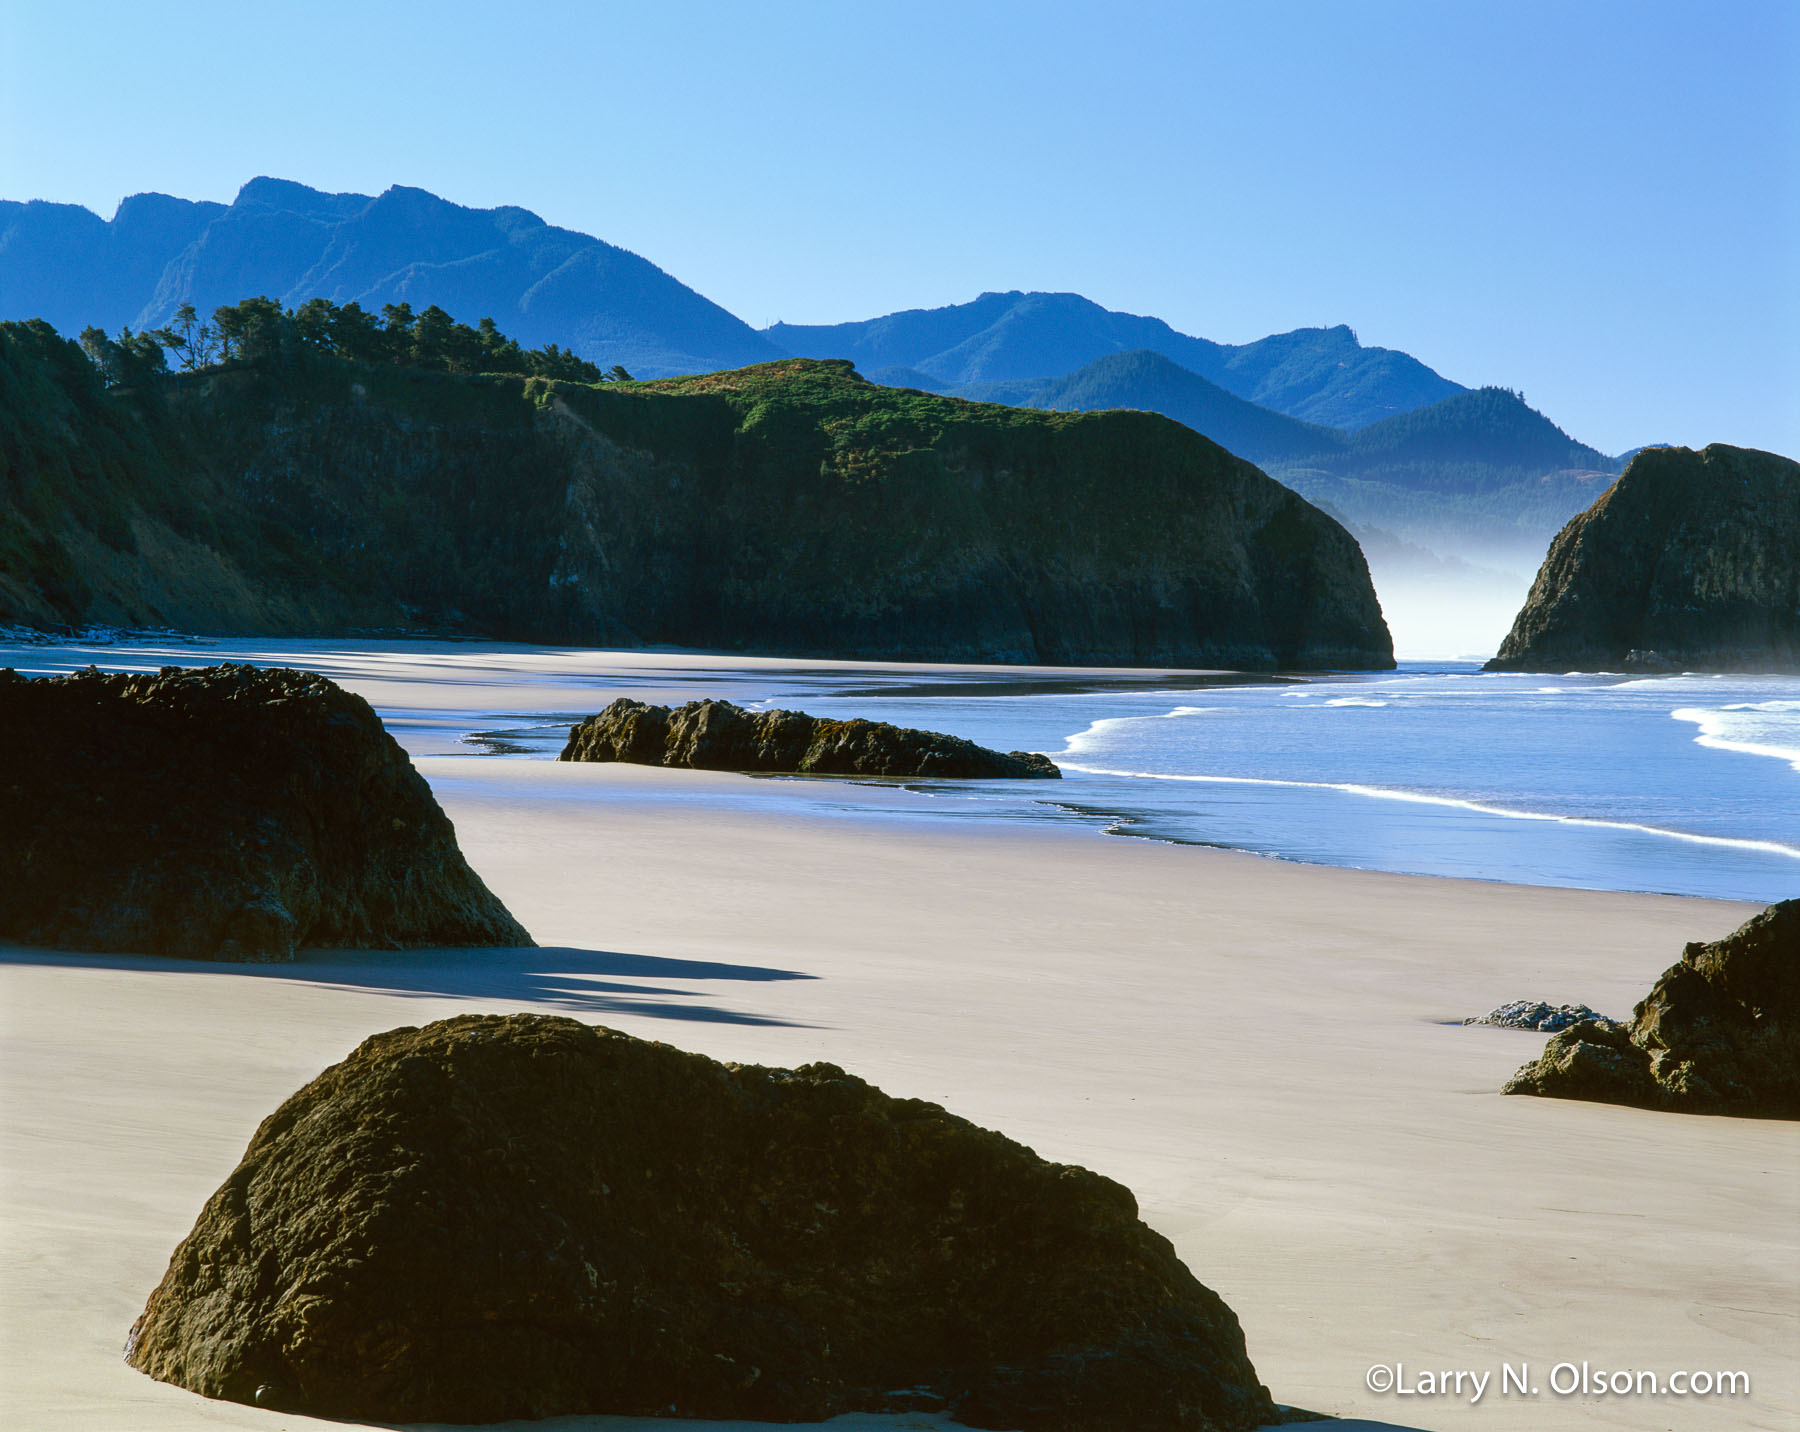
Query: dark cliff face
{"x": 1690, "y": 560}
{"x": 790, "y": 507}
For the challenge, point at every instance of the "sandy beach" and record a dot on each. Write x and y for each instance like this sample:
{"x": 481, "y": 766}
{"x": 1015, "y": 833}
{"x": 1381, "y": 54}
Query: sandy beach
{"x": 1267, "y": 1053}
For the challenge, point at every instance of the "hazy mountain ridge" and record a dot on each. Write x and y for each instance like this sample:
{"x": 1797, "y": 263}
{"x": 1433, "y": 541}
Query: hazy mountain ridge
{"x": 68, "y": 266}
{"x": 1372, "y": 431}
{"x": 1518, "y": 434}
{"x": 1146, "y": 379}
{"x": 541, "y": 283}
{"x": 1476, "y": 473}
{"x": 1479, "y": 474}
{"x": 1320, "y": 375}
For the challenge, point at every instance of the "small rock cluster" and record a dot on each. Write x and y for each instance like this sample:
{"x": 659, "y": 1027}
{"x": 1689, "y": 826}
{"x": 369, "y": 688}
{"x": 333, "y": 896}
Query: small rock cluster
{"x": 1535, "y": 1014}
{"x": 1649, "y": 663}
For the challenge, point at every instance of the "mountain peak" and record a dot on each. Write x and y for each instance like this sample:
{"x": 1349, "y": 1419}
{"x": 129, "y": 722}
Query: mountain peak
{"x": 284, "y": 196}
{"x": 266, "y": 191}
{"x": 1319, "y": 375}
{"x": 405, "y": 245}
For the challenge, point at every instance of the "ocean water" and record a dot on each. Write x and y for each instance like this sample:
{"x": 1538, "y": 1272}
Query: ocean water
{"x": 1682, "y": 785}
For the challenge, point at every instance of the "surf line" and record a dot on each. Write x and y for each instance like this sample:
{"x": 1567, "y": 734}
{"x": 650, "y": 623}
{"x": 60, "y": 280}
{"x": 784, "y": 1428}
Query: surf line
{"x": 1714, "y": 728}
{"x": 1767, "y": 847}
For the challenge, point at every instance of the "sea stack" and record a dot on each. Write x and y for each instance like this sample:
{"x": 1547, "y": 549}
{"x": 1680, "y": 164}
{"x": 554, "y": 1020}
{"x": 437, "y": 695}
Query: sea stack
{"x": 526, "y": 1217}
{"x": 1690, "y": 561}
{"x": 222, "y": 813}
{"x": 720, "y": 736}
{"x": 1718, "y": 1034}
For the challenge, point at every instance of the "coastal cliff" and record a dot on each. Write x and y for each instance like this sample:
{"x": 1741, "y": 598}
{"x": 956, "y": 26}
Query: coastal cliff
{"x": 1688, "y": 561}
{"x": 789, "y": 507}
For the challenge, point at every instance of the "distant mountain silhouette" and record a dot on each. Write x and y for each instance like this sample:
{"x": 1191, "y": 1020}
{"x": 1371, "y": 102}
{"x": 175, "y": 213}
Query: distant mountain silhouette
{"x": 1147, "y": 380}
{"x": 68, "y": 266}
{"x": 1478, "y": 473}
{"x": 1371, "y": 431}
{"x": 913, "y": 378}
{"x": 541, "y": 284}
{"x": 1321, "y": 375}
{"x": 1491, "y": 425}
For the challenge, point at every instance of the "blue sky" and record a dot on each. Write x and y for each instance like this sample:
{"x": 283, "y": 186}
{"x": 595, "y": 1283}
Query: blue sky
{"x": 1595, "y": 203}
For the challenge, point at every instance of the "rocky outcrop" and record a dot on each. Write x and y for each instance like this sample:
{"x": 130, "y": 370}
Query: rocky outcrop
{"x": 494, "y": 1218}
{"x": 1719, "y": 1033}
{"x": 718, "y": 736}
{"x": 790, "y": 507}
{"x": 1537, "y": 1015}
{"x": 1691, "y": 560}
{"x": 222, "y": 813}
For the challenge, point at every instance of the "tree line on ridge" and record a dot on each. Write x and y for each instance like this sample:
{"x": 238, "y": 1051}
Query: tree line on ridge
{"x": 260, "y": 329}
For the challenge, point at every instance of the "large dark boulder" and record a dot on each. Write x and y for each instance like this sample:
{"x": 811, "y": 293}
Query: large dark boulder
{"x": 1719, "y": 1033}
{"x": 222, "y": 813}
{"x": 718, "y": 736}
{"x": 1691, "y": 560}
{"x": 494, "y": 1218}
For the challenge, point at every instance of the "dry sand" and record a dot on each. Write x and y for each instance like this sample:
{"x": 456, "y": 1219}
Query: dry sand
{"x": 1261, "y": 1050}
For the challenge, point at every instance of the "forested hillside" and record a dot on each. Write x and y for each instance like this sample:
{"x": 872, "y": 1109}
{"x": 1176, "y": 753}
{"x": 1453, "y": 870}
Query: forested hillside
{"x": 789, "y": 507}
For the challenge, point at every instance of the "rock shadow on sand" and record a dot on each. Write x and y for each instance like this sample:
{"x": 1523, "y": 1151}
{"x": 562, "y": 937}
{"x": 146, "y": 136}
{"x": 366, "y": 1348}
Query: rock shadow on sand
{"x": 578, "y": 982}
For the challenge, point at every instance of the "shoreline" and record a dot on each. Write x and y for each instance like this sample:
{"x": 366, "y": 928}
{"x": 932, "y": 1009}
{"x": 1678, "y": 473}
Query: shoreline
{"x": 1256, "y": 1048}
{"x": 443, "y": 696}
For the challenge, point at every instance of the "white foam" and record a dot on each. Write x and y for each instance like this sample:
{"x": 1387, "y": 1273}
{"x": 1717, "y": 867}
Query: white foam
{"x": 1484, "y": 693}
{"x": 1389, "y": 793}
{"x": 1356, "y": 701}
{"x": 1751, "y": 728}
{"x": 1096, "y": 730}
